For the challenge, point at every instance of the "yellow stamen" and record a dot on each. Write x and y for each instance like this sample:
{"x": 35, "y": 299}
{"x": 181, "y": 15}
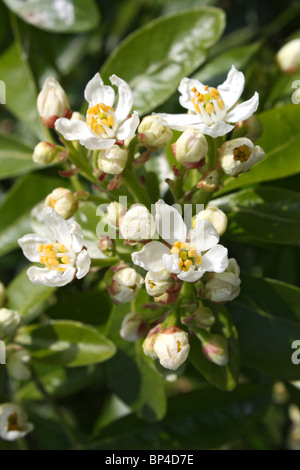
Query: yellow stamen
{"x": 221, "y": 104}
{"x": 177, "y": 244}
{"x": 65, "y": 259}
{"x": 175, "y": 250}
{"x": 99, "y": 116}
{"x": 198, "y": 259}
{"x": 180, "y": 264}
{"x": 12, "y": 423}
{"x": 210, "y": 108}
{"x": 192, "y": 253}
{"x": 41, "y": 247}
{"x": 62, "y": 249}
{"x": 194, "y": 89}
{"x": 178, "y": 346}
{"x": 183, "y": 255}
{"x": 242, "y": 153}
{"x": 53, "y": 263}
{"x": 206, "y": 87}
{"x": 188, "y": 263}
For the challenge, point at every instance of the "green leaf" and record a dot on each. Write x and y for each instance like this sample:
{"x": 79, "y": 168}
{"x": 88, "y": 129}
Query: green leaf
{"x": 19, "y": 201}
{"x": 64, "y": 16}
{"x": 267, "y": 317}
{"x": 27, "y": 298}
{"x": 224, "y": 377}
{"x": 155, "y": 58}
{"x": 132, "y": 376}
{"x": 21, "y": 93}
{"x": 15, "y": 157}
{"x": 66, "y": 343}
{"x": 267, "y": 213}
{"x": 280, "y": 141}
{"x": 202, "y": 419}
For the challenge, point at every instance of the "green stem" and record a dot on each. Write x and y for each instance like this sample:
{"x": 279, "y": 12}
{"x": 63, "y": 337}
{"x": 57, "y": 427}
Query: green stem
{"x": 137, "y": 190}
{"x": 80, "y": 161}
{"x": 104, "y": 262}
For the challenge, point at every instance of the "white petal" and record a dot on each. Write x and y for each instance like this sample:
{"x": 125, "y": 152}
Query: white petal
{"x": 179, "y": 122}
{"x": 125, "y": 98}
{"x": 43, "y": 276}
{"x": 257, "y": 155}
{"x": 83, "y": 263}
{"x": 97, "y": 143}
{"x": 59, "y": 226}
{"x": 218, "y": 129}
{"x": 185, "y": 88}
{"x": 171, "y": 263}
{"x": 169, "y": 223}
{"x": 244, "y": 110}
{"x": 232, "y": 88}
{"x": 77, "y": 237}
{"x": 150, "y": 257}
{"x": 72, "y": 130}
{"x": 215, "y": 260}
{"x": 96, "y": 92}
{"x": 204, "y": 236}
{"x": 128, "y": 128}
{"x": 192, "y": 275}
{"x": 30, "y": 245}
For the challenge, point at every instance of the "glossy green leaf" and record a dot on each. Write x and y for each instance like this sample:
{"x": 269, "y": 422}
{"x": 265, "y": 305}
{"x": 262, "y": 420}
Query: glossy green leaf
{"x": 60, "y": 16}
{"x": 15, "y": 157}
{"x": 66, "y": 343}
{"x": 156, "y": 57}
{"x": 132, "y": 376}
{"x": 201, "y": 419}
{"x": 223, "y": 377}
{"x": 267, "y": 317}
{"x": 21, "y": 93}
{"x": 280, "y": 141}
{"x": 267, "y": 213}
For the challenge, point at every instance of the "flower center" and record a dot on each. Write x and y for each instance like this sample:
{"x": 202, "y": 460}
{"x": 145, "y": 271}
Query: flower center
{"x": 100, "y": 117}
{"x": 12, "y": 423}
{"x": 188, "y": 255}
{"x": 55, "y": 256}
{"x": 241, "y": 153}
{"x": 210, "y": 102}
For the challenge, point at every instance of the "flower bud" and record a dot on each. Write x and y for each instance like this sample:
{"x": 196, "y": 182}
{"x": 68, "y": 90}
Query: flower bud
{"x": 9, "y": 322}
{"x": 201, "y": 318}
{"x": 210, "y": 182}
{"x": 63, "y": 201}
{"x": 223, "y": 287}
{"x": 52, "y": 103}
{"x": 213, "y": 215}
{"x": 77, "y": 116}
{"x": 190, "y": 149}
{"x": 46, "y": 153}
{"x": 172, "y": 347}
{"x": 293, "y": 438}
{"x": 113, "y": 160}
{"x": 154, "y": 134}
{"x": 13, "y": 422}
{"x": 148, "y": 344}
{"x": 133, "y": 327}
{"x": 157, "y": 283}
{"x": 215, "y": 350}
{"x": 18, "y": 365}
{"x": 288, "y": 57}
{"x": 239, "y": 155}
{"x": 138, "y": 224}
{"x": 2, "y": 295}
{"x": 115, "y": 211}
{"x": 125, "y": 285}
{"x": 107, "y": 246}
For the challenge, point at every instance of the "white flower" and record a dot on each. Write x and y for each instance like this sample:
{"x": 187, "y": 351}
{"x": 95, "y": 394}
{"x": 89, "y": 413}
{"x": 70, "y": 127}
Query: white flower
{"x": 239, "y": 155}
{"x": 2, "y": 295}
{"x": 213, "y": 215}
{"x": 125, "y": 285}
{"x": 153, "y": 134}
{"x": 157, "y": 283}
{"x": 137, "y": 224}
{"x": 13, "y": 422}
{"x": 223, "y": 287}
{"x": 63, "y": 201}
{"x": 212, "y": 109}
{"x": 18, "y": 365}
{"x": 191, "y": 148}
{"x": 63, "y": 256}
{"x": 113, "y": 160}
{"x": 187, "y": 256}
{"x": 288, "y": 57}
{"x": 104, "y": 124}
{"x": 9, "y": 322}
{"x": 172, "y": 347}
{"x": 52, "y": 102}
{"x": 133, "y": 327}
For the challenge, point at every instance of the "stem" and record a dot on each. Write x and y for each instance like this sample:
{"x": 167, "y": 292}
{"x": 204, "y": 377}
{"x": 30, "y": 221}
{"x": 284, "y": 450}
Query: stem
{"x": 104, "y": 262}
{"x": 79, "y": 161}
{"x": 137, "y": 190}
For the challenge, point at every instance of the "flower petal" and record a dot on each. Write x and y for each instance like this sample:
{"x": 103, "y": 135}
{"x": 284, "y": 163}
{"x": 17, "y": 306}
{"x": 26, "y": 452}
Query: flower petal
{"x": 125, "y": 97}
{"x": 171, "y": 263}
{"x": 150, "y": 257}
{"x": 218, "y": 129}
{"x": 215, "y": 260}
{"x": 97, "y": 143}
{"x": 72, "y": 130}
{"x": 244, "y": 110}
{"x": 59, "y": 226}
{"x": 179, "y": 122}
{"x": 77, "y": 237}
{"x": 204, "y": 236}
{"x": 83, "y": 263}
{"x": 169, "y": 223}
{"x": 128, "y": 128}
{"x": 30, "y": 245}
{"x": 192, "y": 275}
{"x": 43, "y": 276}
{"x": 232, "y": 88}
{"x": 96, "y": 92}
{"x": 185, "y": 88}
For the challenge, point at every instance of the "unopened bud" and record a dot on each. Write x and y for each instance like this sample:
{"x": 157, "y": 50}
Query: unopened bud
{"x": 210, "y": 182}
{"x": 107, "y": 246}
{"x": 138, "y": 224}
{"x": 154, "y": 134}
{"x": 125, "y": 285}
{"x": 213, "y": 215}
{"x": 215, "y": 350}
{"x": 46, "y": 153}
{"x": 52, "y": 103}
{"x": 148, "y": 344}
{"x": 9, "y": 322}
{"x": 2, "y": 295}
{"x": 239, "y": 155}
{"x": 288, "y": 57}
{"x": 63, "y": 201}
{"x": 190, "y": 149}
{"x": 223, "y": 287}
{"x": 18, "y": 365}
{"x": 172, "y": 347}
{"x": 113, "y": 160}
{"x": 115, "y": 212}
{"x": 157, "y": 283}
{"x": 133, "y": 327}
{"x": 202, "y": 317}
{"x": 13, "y": 422}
